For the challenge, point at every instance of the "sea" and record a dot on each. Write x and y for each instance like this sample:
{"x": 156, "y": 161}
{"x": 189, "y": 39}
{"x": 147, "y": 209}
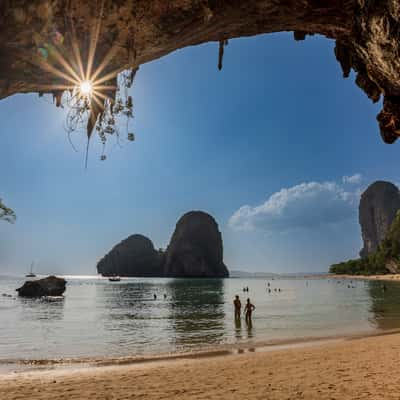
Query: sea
{"x": 97, "y": 319}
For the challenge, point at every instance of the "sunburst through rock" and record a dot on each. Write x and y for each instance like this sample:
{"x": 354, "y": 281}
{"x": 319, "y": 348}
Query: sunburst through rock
{"x": 86, "y": 88}
{"x": 93, "y": 93}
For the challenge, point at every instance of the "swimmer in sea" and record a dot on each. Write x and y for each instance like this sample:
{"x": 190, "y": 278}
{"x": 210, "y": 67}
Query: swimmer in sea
{"x": 248, "y": 310}
{"x": 238, "y": 307}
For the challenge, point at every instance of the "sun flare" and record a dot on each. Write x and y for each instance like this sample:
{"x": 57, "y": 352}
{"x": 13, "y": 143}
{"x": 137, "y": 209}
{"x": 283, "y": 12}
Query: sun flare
{"x": 96, "y": 94}
{"x": 86, "y": 88}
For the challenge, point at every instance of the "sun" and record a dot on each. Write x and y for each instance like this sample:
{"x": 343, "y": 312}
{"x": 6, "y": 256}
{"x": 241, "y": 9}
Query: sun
{"x": 86, "y": 88}
{"x": 93, "y": 95}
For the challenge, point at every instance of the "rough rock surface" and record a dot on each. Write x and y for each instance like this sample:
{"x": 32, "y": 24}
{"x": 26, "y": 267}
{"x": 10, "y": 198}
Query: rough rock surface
{"x": 134, "y": 256}
{"x": 196, "y": 248}
{"x": 50, "y": 286}
{"x": 378, "y": 207}
{"x": 40, "y": 39}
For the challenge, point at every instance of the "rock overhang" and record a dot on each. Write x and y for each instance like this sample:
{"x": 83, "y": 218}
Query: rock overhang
{"x": 41, "y": 40}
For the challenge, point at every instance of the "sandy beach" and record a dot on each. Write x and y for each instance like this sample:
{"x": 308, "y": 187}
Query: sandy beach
{"x": 357, "y": 368}
{"x": 386, "y": 277}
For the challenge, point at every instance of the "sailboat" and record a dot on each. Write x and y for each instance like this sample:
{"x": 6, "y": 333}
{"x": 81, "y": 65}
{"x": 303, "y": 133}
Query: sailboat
{"x": 31, "y": 274}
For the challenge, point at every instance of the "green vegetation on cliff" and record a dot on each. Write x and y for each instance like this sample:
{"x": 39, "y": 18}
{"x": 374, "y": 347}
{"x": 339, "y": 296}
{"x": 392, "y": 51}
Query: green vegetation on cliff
{"x": 385, "y": 260}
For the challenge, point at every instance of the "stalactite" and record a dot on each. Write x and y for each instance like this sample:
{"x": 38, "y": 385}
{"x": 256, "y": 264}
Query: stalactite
{"x": 222, "y": 44}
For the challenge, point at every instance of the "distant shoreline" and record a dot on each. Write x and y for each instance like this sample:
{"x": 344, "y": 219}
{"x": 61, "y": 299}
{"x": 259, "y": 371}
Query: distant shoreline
{"x": 387, "y": 277}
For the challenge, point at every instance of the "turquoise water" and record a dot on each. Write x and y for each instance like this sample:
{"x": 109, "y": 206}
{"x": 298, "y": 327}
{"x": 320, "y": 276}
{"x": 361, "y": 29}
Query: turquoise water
{"x": 97, "y": 318}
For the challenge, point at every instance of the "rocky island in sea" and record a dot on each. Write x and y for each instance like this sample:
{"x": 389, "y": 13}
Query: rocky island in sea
{"x": 134, "y": 256}
{"x": 50, "y": 286}
{"x": 195, "y": 250}
{"x": 379, "y": 219}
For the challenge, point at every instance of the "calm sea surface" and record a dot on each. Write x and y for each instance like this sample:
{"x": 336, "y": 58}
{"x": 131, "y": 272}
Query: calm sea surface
{"x": 98, "y": 318}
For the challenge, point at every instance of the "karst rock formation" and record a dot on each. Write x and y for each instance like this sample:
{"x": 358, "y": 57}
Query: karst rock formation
{"x": 196, "y": 248}
{"x": 40, "y": 39}
{"x": 195, "y": 251}
{"x": 378, "y": 208}
{"x": 134, "y": 256}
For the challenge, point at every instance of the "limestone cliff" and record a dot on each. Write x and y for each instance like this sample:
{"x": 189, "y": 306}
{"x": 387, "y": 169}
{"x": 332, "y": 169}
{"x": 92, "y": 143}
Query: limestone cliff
{"x": 378, "y": 207}
{"x": 134, "y": 256}
{"x": 379, "y": 216}
{"x": 386, "y": 259}
{"x": 196, "y": 248}
{"x": 47, "y": 46}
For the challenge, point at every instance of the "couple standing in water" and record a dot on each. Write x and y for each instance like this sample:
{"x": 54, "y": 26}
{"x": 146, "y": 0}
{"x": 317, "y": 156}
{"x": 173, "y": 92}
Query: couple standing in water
{"x": 248, "y": 309}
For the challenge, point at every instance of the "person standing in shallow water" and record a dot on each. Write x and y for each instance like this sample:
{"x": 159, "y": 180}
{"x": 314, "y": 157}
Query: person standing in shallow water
{"x": 248, "y": 311}
{"x": 238, "y": 307}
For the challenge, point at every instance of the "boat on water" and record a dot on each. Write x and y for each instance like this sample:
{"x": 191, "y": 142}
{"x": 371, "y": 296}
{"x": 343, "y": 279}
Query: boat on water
{"x": 114, "y": 278}
{"x": 31, "y": 274}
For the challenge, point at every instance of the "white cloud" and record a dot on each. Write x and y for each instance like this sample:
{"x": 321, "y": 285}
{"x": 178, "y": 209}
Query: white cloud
{"x": 352, "y": 179}
{"x": 306, "y": 205}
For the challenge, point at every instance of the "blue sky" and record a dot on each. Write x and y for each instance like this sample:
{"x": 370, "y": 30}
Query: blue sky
{"x": 278, "y": 116}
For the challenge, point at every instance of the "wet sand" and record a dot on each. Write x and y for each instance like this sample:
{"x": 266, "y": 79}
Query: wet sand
{"x": 357, "y": 368}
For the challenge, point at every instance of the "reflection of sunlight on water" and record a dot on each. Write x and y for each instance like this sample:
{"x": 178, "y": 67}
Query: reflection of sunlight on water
{"x": 100, "y": 318}
{"x": 84, "y": 277}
